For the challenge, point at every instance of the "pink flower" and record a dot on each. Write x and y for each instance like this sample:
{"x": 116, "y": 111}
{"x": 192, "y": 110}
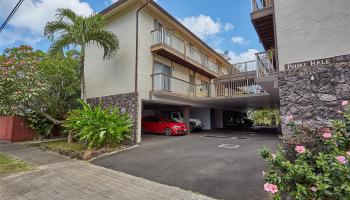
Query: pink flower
{"x": 313, "y": 188}
{"x": 348, "y": 153}
{"x": 270, "y": 188}
{"x": 341, "y": 159}
{"x": 339, "y": 112}
{"x": 344, "y": 103}
{"x": 289, "y": 117}
{"x": 300, "y": 149}
{"x": 327, "y": 133}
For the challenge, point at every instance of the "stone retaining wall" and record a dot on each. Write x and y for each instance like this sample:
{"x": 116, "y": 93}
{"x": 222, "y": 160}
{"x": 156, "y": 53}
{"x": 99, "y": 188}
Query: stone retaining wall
{"x": 125, "y": 102}
{"x": 312, "y": 95}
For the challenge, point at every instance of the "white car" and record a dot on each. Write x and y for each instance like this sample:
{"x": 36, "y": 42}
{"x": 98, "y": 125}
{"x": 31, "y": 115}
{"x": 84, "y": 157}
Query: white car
{"x": 196, "y": 124}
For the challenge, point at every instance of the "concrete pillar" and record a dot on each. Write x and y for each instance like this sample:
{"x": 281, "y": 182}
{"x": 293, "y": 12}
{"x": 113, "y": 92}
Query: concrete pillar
{"x": 186, "y": 112}
{"x": 138, "y": 122}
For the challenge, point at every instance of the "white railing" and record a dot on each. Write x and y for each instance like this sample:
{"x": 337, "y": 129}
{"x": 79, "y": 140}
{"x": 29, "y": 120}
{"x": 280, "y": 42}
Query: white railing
{"x": 249, "y": 66}
{"x": 232, "y": 88}
{"x": 264, "y": 65}
{"x": 193, "y": 54}
{"x": 166, "y": 37}
{"x": 261, "y": 4}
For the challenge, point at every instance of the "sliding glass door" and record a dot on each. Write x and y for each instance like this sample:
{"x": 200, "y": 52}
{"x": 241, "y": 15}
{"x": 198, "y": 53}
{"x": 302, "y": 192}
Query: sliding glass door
{"x": 162, "y": 77}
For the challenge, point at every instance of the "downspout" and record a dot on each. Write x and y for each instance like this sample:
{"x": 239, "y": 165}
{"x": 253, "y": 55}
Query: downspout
{"x": 136, "y": 66}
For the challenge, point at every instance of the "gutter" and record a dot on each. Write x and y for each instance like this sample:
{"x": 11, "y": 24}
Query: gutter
{"x": 136, "y": 63}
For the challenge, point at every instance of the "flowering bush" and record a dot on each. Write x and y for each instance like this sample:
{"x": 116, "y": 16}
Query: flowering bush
{"x": 321, "y": 174}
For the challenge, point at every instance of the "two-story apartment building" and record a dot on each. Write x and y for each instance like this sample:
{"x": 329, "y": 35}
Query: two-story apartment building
{"x": 161, "y": 65}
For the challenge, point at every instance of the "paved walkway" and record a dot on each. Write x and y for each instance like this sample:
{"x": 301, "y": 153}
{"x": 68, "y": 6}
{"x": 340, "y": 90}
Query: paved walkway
{"x": 64, "y": 179}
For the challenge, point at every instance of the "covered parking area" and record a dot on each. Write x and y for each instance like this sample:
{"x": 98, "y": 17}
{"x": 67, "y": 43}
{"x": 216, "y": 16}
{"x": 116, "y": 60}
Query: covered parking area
{"x": 211, "y": 118}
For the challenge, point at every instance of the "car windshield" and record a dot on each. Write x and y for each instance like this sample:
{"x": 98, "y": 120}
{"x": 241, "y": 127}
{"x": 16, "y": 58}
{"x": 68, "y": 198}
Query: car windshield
{"x": 169, "y": 120}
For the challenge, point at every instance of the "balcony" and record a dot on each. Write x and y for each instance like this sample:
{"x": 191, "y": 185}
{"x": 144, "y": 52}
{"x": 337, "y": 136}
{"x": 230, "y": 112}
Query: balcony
{"x": 263, "y": 20}
{"x": 261, "y": 5}
{"x": 168, "y": 85}
{"x": 168, "y": 45}
{"x": 264, "y": 65}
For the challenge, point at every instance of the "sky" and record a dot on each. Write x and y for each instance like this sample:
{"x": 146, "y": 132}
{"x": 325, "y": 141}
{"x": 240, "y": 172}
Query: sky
{"x": 223, "y": 24}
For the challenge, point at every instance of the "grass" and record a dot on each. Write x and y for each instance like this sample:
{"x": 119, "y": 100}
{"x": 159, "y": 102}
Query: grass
{"x": 10, "y": 165}
{"x": 63, "y": 146}
{"x": 75, "y": 149}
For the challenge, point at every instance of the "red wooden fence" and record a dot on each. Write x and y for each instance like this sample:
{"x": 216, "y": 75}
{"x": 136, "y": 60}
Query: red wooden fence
{"x": 14, "y": 129}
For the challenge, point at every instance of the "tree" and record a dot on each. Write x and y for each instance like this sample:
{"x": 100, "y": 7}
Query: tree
{"x": 78, "y": 31}
{"x": 33, "y": 82}
{"x": 265, "y": 117}
{"x": 19, "y": 83}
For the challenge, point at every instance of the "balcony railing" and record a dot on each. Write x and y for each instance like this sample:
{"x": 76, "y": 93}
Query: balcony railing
{"x": 163, "y": 82}
{"x": 249, "y": 66}
{"x": 264, "y": 65}
{"x": 261, "y": 4}
{"x": 166, "y": 37}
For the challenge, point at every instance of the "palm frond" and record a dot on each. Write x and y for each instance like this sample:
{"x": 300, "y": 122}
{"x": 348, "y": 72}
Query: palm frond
{"x": 56, "y": 27}
{"x": 66, "y": 13}
{"x": 62, "y": 41}
{"x": 105, "y": 39}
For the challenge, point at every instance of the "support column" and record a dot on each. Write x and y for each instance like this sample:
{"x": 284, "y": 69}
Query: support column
{"x": 186, "y": 112}
{"x": 139, "y": 120}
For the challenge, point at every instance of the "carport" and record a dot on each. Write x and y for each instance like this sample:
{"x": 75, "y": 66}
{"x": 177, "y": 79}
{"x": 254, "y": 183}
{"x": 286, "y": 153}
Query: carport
{"x": 157, "y": 107}
{"x": 211, "y": 118}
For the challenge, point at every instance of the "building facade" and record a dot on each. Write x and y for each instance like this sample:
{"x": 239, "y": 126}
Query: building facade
{"x": 162, "y": 66}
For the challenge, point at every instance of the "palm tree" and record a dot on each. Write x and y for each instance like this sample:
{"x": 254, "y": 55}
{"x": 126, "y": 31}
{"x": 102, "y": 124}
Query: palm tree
{"x": 71, "y": 29}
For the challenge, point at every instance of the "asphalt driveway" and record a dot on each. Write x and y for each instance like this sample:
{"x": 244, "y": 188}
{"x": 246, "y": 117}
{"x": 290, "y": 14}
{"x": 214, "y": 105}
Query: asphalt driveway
{"x": 223, "y": 165}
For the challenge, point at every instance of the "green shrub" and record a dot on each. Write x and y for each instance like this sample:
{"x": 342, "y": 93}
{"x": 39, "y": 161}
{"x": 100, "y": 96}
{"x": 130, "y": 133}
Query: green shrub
{"x": 98, "y": 127}
{"x": 321, "y": 173}
{"x": 42, "y": 126}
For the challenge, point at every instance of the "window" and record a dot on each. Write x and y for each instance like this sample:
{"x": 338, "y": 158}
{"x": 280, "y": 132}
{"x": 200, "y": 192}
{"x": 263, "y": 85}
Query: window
{"x": 162, "y": 77}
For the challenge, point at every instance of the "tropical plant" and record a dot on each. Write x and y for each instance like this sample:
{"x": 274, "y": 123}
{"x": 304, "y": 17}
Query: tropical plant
{"x": 313, "y": 174}
{"x": 74, "y": 30}
{"x": 265, "y": 117}
{"x": 98, "y": 127}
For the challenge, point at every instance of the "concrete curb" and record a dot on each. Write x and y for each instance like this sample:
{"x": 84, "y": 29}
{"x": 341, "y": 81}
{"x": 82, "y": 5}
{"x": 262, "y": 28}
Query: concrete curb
{"x": 112, "y": 153}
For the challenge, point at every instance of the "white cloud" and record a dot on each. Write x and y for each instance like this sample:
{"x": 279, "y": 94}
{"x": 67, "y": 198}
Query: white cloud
{"x": 204, "y": 26}
{"x": 8, "y": 37}
{"x": 248, "y": 55}
{"x": 238, "y": 40}
{"x": 32, "y": 16}
{"x": 228, "y": 27}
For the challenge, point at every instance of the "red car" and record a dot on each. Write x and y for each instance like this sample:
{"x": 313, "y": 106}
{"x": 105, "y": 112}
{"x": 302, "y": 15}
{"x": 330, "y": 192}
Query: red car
{"x": 158, "y": 124}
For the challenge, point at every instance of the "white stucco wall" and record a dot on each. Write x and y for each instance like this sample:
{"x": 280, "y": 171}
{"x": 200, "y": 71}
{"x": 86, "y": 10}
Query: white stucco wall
{"x": 311, "y": 29}
{"x": 115, "y": 75}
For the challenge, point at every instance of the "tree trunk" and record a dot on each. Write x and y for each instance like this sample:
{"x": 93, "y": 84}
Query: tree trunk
{"x": 50, "y": 118}
{"x": 70, "y": 137}
{"x": 82, "y": 74}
